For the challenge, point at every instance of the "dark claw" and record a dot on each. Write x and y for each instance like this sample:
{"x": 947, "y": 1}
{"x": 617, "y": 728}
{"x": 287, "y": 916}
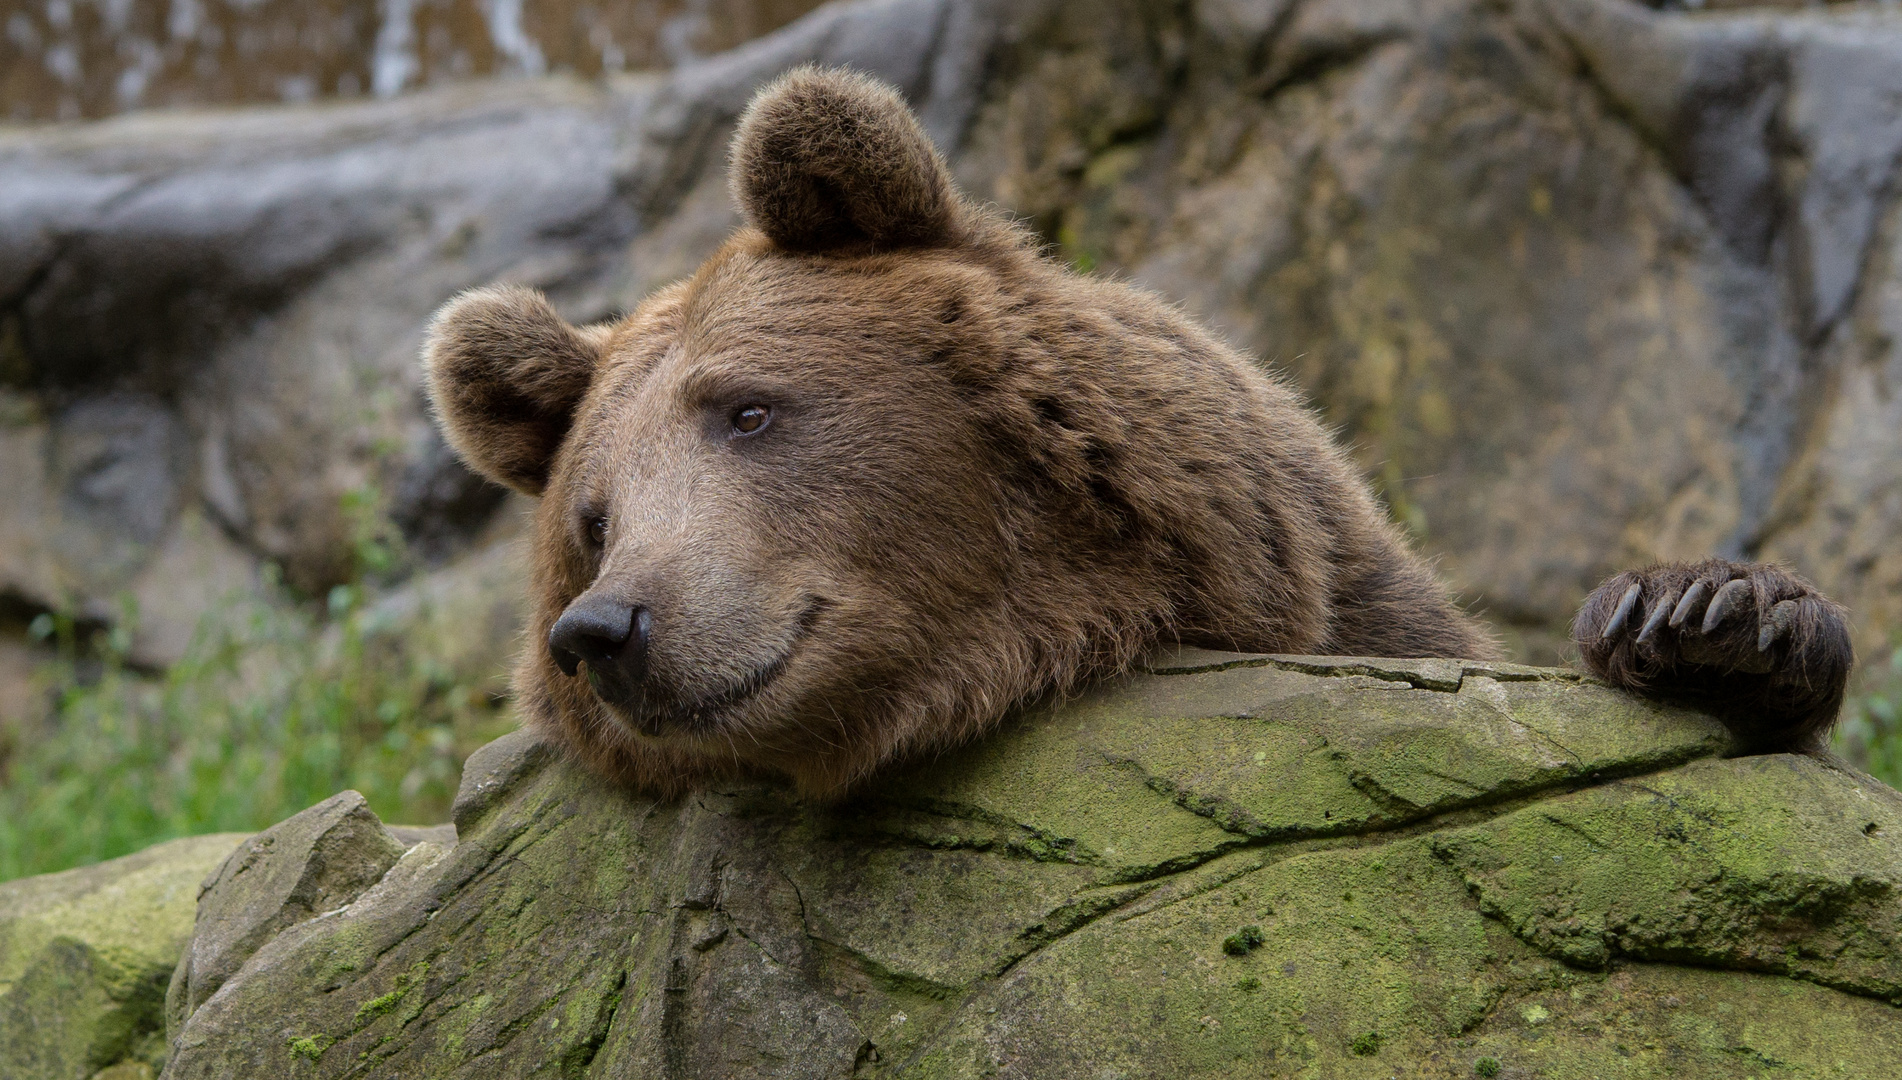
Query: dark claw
{"x": 1623, "y": 614}
{"x": 1659, "y": 612}
{"x": 1720, "y": 604}
{"x": 1782, "y": 618}
{"x": 1692, "y": 595}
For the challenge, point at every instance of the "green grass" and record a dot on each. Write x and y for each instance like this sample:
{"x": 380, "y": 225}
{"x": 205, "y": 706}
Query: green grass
{"x": 276, "y": 707}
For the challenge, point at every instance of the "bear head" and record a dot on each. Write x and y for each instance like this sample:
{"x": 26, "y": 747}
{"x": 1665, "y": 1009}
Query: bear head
{"x": 877, "y": 471}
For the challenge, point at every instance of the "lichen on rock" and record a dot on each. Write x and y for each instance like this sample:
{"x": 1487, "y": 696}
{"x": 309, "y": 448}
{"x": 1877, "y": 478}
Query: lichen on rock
{"x": 85, "y": 955}
{"x": 308, "y": 865}
{"x": 1766, "y": 864}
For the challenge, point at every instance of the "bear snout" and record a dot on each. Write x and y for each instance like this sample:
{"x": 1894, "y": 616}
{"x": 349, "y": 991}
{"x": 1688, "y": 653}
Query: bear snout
{"x": 612, "y": 636}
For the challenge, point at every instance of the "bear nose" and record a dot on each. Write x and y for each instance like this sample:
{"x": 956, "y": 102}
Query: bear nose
{"x": 604, "y": 632}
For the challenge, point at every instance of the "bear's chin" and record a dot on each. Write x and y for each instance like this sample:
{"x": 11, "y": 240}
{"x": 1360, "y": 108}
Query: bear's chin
{"x": 653, "y": 714}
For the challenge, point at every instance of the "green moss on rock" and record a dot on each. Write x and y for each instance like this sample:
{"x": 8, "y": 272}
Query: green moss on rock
{"x": 1293, "y": 867}
{"x": 1778, "y": 863}
{"x": 85, "y": 956}
{"x": 309, "y": 1047}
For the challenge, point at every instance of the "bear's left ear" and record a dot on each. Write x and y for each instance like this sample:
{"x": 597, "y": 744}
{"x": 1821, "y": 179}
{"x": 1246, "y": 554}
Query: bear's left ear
{"x": 829, "y": 157}
{"x": 505, "y": 374}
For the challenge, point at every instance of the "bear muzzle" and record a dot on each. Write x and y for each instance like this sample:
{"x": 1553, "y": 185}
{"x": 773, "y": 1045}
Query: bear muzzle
{"x": 613, "y": 641}
{"x": 605, "y": 633}
{"x": 612, "y": 638}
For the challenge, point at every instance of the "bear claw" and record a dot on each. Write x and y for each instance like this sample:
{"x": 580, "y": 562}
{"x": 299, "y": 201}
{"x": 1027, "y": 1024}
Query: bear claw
{"x": 1777, "y": 626}
{"x": 1684, "y": 632}
{"x": 1616, "y": 625}
{"x": 1721, "y": 605}
{"x": 1660, "y": 612}
{"x": 1685, "y": 606}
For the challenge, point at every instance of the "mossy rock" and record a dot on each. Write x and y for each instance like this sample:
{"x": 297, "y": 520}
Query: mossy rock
{"x": 85, "y": 956}
{"x": 1225, "y": 865}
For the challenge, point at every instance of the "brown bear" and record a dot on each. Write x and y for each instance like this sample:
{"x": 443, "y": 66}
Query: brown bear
{"x": 882, "y": 469}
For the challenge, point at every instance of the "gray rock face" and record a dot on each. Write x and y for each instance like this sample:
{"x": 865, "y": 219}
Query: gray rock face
{"x": 1585, "y": 283}
{"x": 309, "y": 865}
{"x": 272, "y": 285}
{"x": 1549, "y": 264}
{"x": 1233, "y": 865}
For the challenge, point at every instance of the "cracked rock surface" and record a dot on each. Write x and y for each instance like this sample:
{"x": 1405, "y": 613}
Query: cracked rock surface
{"x": 309, "y": 865}
{"x": 1286, "y": 866}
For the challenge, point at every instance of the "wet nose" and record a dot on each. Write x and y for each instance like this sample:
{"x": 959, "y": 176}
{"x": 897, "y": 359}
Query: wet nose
{"x": 607, "y": 633}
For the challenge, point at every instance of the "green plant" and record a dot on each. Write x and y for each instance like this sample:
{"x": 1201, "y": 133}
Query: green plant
{"x": 376, "y": 545}
{"x": 310, "y": 1047}
{"x": 1871, "y": 730}
{"x": 1486, "y": 1066}
{"x": 1366, "y": 1045}
{"x": 276, "y": 706}
{"x": 1243, "y": 941}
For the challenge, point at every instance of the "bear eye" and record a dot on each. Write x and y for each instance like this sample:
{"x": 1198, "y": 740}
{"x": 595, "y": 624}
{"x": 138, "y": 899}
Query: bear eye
{"x": 598, "y": 531}
{"x": 750, "y": 419}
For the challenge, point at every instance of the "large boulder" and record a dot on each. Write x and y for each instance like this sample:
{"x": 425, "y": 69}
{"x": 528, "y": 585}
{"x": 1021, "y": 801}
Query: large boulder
{"x": 1585, "y": 284}
{"x": 85, "y": 956}
{"x": 1225, "y": 865}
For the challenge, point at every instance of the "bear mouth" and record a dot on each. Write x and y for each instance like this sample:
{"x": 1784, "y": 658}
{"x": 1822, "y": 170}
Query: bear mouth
{"x": 654, "y": 713}
{"x": 703, "y": 714}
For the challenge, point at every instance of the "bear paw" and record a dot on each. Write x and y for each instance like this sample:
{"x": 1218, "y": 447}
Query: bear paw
{"x": 1752, "y": 643}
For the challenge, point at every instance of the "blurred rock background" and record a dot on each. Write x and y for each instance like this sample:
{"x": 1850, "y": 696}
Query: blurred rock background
{"x": 1585, "y": 283}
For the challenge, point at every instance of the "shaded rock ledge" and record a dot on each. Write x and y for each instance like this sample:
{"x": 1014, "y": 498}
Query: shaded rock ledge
{"x": 1293, "y": 866}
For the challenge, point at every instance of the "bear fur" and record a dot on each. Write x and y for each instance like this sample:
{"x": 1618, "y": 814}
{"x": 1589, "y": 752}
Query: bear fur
{"x": 881, "y": 469}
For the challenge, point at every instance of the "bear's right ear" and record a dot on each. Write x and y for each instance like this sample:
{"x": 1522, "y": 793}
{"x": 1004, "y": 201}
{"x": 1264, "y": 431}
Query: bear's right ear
{"x": 829, "y": 157}
{"x": 505, "y": 374}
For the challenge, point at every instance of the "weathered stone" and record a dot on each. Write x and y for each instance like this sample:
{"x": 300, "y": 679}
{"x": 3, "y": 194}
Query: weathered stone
{"x": 1438, "y": 214}
{"x": 305, "y": 866}
{"x": 1277, "y": 866}
{"x": 1768, "y": 864}
{"x": 1840, "y": 508}
{"x": 85, "y": 954}
{"x": 1265, "y": 750}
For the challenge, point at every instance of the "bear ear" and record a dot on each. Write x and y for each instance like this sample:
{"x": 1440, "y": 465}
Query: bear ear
{"x": 505, "y": 374}
{"x": 830, "y": 157}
